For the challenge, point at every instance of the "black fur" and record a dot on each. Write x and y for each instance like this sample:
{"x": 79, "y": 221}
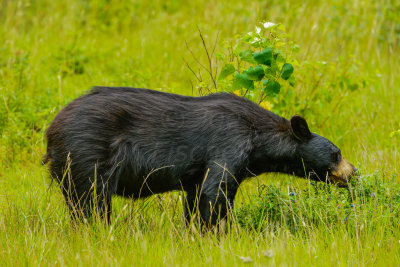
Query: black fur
{"x": 141, "y": 142}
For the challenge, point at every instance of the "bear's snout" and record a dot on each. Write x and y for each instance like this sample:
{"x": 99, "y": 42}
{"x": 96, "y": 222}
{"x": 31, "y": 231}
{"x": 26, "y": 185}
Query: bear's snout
{"x": 342, "y": 174}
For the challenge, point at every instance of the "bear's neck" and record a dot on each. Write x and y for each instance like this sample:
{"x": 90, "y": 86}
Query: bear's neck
{"x": 274, "y": 150}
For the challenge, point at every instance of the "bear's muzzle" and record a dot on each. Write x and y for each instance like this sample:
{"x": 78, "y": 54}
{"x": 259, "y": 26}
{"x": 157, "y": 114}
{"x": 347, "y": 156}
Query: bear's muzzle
{"x": 343, "y": 173}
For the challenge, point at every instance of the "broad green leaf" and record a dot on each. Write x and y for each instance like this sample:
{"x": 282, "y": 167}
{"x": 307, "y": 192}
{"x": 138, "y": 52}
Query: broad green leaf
{"x": 264, "y": 57}
{"x": 287, "y": 70}
{"x": 243, "y": 81}
{"x": 226, "y": 70}
{"x": 247, "y": 55}
{"x": 271, "y": 88}
{"x": 256, "y": 73}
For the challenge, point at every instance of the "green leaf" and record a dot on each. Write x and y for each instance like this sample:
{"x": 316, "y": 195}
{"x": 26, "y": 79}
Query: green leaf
{"x": 287, "y": 70}
{"x": 247, "y": 37}
{"x": 279, "y": 56}
{"x": 256, "y": 73}
{"x": 243, "y": 81}
{"x": 226, "y": 70}
{"x": 271, "y": 71}
{"x": 246, "y": 55}
{"x": 271, "y": 88}
{"x": 264, "y": 57}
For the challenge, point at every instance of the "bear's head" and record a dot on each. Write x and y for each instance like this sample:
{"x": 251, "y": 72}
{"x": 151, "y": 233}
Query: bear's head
{"x": 321, "y": 159}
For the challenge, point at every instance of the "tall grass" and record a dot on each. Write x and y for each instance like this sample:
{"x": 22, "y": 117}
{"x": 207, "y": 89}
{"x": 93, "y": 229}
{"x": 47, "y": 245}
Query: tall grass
{"x": 53, "y": 51}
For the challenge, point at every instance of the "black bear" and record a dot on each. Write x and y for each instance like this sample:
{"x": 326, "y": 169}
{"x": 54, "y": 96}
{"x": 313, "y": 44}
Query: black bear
{"x": 139, "y": 142}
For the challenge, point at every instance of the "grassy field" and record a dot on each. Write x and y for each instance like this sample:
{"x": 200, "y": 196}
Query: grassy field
{"x": 54, "y": 51}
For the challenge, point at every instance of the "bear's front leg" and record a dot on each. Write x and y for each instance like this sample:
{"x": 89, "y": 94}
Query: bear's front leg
{"x": 217, "y": 194}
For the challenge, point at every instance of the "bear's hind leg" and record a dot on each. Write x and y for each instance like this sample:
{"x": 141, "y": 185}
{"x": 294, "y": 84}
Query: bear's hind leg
{"x": 87, "y": 198}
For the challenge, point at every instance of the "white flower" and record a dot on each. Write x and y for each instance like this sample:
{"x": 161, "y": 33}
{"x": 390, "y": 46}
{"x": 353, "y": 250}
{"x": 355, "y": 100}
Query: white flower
{"x": 258, "y": 30}
{"x": 268, "y": 25}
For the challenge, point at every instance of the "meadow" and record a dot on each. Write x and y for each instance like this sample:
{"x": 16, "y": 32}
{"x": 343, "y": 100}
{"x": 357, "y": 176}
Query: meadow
{"x": 347, "y": 86}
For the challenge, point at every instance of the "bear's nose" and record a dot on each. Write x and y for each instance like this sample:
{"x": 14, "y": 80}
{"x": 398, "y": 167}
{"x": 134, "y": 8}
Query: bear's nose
{"x": 354, "y": 174}
{"x": 354, "y": 170}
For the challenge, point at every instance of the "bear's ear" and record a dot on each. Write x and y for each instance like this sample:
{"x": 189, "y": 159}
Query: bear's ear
{"x": 299, "y": 128}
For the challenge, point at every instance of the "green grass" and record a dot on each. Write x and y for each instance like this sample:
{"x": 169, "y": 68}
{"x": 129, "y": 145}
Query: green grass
{"x": 53, "y": 51}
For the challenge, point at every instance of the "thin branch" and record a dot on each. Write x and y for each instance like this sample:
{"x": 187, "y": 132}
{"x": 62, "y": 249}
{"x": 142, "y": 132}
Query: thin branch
{"x": 212, "y": 54}
{"x": 194, "y": 57}
{"x": 232, "y": 55}
{"x": 191, "y": 84}
{"x": 245, "y": 93}
{"x": 215, "y": 44}
{"x": 194, "y": 73}
{"x": 210, "y": 70}
{"x": 262, "y": 97}
{"x": 209, "y": 58}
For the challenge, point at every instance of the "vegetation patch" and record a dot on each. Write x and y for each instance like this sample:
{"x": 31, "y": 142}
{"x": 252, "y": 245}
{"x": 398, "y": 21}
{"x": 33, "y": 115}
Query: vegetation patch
{"x": 368, "y": 202}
